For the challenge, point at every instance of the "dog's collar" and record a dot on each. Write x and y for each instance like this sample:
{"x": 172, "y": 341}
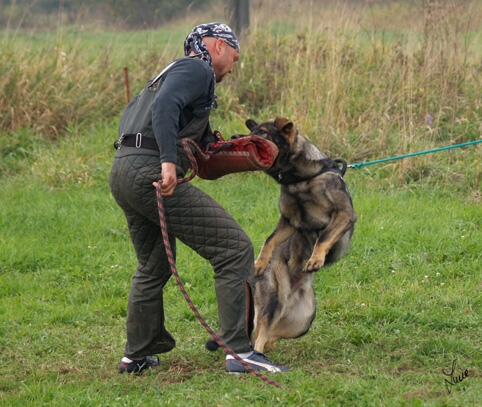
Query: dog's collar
{"x": 285, "y": 178}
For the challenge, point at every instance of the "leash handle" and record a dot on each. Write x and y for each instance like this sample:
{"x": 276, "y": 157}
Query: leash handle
{"x": 172, "y": 264}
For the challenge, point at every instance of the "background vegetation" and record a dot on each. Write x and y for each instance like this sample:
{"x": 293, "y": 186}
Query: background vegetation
{"x": 362, "y": 82}
{"x": 123, "y": 14}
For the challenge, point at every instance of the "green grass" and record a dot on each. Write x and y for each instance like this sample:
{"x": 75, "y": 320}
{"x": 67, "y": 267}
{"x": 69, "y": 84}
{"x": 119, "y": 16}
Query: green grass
{"x": 400, "y": 307}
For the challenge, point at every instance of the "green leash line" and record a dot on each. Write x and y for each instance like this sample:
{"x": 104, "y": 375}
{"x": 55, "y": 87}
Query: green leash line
{"x": 399, "y": 157}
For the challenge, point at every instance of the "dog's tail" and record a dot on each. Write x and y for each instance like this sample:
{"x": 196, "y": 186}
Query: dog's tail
{"x": 212, "y": 345}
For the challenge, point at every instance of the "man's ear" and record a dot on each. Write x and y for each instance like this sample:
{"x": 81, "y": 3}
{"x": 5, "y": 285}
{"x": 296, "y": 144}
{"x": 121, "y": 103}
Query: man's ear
{"x": 220, "y": 46}
{"x": 214, "y": 45}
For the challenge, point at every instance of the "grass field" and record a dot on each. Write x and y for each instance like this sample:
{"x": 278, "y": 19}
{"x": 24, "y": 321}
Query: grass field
{"x": 400, "y": 307}
{"x": 395, "y": 317}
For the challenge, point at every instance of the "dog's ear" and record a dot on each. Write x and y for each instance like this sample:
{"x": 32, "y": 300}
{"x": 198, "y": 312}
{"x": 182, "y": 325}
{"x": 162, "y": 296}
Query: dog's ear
{"x": 286, "y": 128}
{"x": 251, "y": 124}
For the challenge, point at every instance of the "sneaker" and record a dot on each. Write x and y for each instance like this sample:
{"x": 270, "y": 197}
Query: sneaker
{"x": 257, "y": 361}
{"x": 137, "y": 366}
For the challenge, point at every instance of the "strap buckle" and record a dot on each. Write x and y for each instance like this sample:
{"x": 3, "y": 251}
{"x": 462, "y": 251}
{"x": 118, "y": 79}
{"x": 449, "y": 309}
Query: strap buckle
{"x": 118, "y": 142}
{"x": 138, "y": 140}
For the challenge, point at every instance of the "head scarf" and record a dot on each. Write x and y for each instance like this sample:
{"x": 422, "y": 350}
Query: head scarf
{"x": 194, "y": 42}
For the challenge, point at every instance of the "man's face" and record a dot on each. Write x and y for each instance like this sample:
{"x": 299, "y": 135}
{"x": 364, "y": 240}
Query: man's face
{"x": 223, "y": 59}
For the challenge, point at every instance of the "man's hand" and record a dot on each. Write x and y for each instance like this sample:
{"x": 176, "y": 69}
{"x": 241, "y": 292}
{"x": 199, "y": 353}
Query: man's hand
{"x": 169, "y": 179}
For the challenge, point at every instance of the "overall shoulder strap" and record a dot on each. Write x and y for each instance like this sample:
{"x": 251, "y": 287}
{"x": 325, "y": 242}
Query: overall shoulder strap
{"x": 153, "y": 86}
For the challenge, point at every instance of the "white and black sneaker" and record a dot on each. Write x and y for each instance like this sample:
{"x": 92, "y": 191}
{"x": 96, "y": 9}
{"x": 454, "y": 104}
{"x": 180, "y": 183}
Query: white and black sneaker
{"x": 257, "y": 361}
{"x": 138, "y": 365}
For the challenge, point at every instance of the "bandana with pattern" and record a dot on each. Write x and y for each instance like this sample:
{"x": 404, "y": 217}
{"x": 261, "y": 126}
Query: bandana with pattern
{"x": 195, "y": 43}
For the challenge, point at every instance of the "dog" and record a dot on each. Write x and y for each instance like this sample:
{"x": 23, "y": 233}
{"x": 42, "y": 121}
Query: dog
{"x": 314, "y": 231}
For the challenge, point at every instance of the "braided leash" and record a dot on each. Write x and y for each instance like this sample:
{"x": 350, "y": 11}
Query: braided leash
{"x": 172, "y": 262}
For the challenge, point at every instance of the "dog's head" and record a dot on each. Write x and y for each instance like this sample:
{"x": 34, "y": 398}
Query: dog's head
{"x": 297, "y": 158}
{"x": 282, "y": 132}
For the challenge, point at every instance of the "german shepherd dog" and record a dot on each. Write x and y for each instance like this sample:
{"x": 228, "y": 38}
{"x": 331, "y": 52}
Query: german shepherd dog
{"x": 314, "y": 231}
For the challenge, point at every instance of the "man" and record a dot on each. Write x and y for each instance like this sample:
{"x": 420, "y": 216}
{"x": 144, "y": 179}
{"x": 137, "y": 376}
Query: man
{"x": 174, "y": 105}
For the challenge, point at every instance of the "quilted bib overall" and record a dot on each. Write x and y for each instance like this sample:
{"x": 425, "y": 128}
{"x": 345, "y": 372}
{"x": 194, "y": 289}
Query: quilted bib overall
{"x": 195, "y": 219}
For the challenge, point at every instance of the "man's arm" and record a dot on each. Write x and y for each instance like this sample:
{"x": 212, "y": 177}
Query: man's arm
{"x": 186, "y": 82}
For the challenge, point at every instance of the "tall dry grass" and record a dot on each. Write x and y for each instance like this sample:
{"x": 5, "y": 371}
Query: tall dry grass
{"x": 369, "y": 72}
{"x": 50, "y": 82}
{"x": 360, "y": 79}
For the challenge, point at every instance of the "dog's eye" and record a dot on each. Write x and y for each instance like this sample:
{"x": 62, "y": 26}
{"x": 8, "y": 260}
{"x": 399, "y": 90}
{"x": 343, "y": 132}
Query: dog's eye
{"x": 262, "y": 132}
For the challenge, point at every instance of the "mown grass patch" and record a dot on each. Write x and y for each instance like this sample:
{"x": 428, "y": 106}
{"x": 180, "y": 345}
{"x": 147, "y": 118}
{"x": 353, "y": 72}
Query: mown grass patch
{"x": 400, "y": 307}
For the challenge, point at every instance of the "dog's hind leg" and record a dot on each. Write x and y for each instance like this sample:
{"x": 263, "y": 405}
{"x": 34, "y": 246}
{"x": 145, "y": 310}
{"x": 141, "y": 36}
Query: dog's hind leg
{"x": 264, "y": 336}
{"x": 266, "y": 317}
{"x": 260, "y": 341}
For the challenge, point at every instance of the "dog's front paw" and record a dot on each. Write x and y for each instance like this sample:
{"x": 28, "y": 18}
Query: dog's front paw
{"x": 313, "y": 265}
{"x": 260, "y": 266}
